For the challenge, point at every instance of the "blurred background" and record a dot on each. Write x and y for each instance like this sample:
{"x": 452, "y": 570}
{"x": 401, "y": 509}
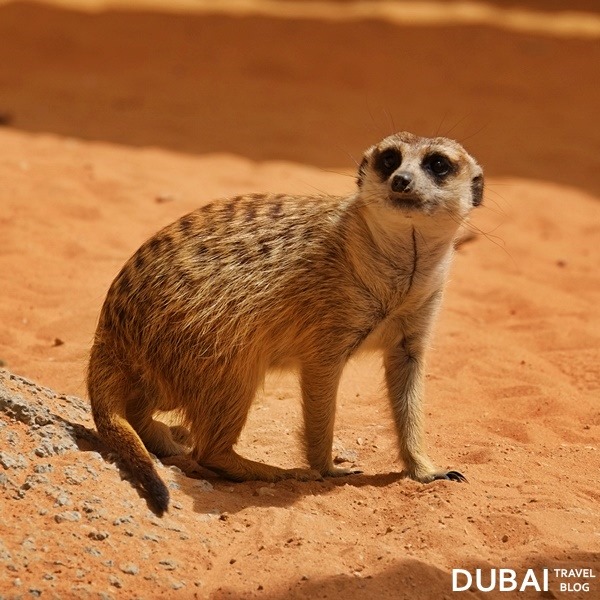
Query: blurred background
{"x": 313, "y": 82}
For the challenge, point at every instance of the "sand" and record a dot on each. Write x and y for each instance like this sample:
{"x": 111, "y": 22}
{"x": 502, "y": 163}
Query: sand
{"x": 119, "y": 121}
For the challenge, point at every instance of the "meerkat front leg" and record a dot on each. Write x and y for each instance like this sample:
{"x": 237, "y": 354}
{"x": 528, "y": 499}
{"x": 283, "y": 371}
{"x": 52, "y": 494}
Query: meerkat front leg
{"x": 404, "y": 372}
{"x": 319, "y": 392}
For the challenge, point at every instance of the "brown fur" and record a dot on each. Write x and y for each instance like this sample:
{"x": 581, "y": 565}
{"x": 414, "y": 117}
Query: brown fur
{"x": 206, "y": 306}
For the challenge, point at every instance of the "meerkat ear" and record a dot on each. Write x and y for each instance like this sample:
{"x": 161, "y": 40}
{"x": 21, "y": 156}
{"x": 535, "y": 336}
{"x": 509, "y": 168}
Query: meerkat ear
{"x": 361, "y": 171}
{"x": 477, "y": 190}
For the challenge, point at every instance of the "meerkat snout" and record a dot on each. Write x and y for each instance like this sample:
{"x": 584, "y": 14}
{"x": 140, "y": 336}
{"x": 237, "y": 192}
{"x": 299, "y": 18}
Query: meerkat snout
{"x": 401, "y": 182}
{"x": 206, "y": 306}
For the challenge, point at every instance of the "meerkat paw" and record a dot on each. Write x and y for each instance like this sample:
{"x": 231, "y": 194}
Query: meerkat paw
{"x": 184, "y": 462}
{"x": 451, "y": 476}
{"x": 232, "y": 466}
{"x": 181, "y": 435}
{"x": 340, "y": 472}
{"x": 158, "y": 439}
{"x": 429, "y": 476}
{"x": 302, "y": 474}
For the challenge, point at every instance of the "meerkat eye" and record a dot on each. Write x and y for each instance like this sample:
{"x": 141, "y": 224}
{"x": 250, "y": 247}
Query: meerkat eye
{"x": 387, "y": 162}
{"x": 439, "y": 165}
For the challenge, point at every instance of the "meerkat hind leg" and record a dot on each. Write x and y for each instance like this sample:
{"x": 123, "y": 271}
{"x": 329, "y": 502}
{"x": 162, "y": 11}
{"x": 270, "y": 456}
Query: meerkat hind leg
{"x": 218, "y": 428}
{"x": 186, "y": 463}
{"x": 157, "y": 436}
{"x": 231, "y": 465}
{"x": 181, "y": 434}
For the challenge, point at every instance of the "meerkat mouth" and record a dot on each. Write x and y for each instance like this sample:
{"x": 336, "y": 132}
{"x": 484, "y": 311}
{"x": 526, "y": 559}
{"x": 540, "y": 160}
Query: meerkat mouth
{"x": 407, "y": 202}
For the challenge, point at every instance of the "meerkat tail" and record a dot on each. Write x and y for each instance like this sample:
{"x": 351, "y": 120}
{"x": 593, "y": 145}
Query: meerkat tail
{"x": 119, "y": 434}
{"x": 122, "y": 438}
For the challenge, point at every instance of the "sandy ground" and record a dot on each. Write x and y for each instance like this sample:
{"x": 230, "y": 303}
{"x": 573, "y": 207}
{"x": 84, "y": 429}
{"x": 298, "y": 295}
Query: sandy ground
{"x": 117, "y": 122}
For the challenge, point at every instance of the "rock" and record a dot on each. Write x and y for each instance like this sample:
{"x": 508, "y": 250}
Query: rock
{"x": 8, "y": 461}
{"x": 345, "y": 456}
{"x": 70, "y": 515}
{"x": 130, "y": 569}
{"x": 62, "y": 499}
{"x": 43, "y": 468}
{"x": 72, "y": 476}
{"x": 33, "y": 481}
{"x": 16, "y": 407}
{"x": 204, "y": 486}
{"x": 168, "y": 564}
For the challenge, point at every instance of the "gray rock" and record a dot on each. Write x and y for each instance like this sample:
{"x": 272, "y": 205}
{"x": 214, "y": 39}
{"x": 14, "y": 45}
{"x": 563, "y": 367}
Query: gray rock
{"x": 33, "y": 481}
{"x": 130, "y": 569}
{"x": 8, "y": 461}
{"x": 12, "y": 438}
{"x": 62, "y": 499}
{"x": 73, "y": 477}
{"x": 345, "y": 456}
{"x": 203, "y": 485}
{"x": 16, "y": 407}
{"x": 168, "y": 564}
{"x": 69, "y": 515}
{"x": 43, "y": 468}
{"x": 56, "y": 434}
{"x": 4, "y": 553}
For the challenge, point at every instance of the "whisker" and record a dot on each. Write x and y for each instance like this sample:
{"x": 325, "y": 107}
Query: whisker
{"x": 390, "y": 119}
{"x": 498, "y": 210}
{"x": 348, "y": 154}
{"x": 352, "y": 175}
{"x": 447, "y": 134}
{"x": 489, "y": 190}
{"x": 375, "y": 126}
{"x": 439, "y": 127}
{"x": 495, "y": 239}
{"x": 464, "y": 139}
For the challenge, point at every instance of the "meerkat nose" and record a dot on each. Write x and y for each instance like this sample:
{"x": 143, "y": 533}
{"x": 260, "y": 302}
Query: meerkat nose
{"x": 401, "y": 182}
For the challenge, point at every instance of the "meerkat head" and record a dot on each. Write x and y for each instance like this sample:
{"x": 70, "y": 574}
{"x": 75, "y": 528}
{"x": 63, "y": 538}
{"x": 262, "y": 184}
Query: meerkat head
{"x": 416, "y": 175}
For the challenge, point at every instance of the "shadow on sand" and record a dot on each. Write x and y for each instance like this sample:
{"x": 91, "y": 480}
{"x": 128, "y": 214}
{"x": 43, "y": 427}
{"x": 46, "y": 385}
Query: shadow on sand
{"x": 309, "y": 91}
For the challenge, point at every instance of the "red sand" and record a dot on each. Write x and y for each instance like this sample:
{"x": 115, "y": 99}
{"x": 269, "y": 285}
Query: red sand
{"x": 514, "y": 371}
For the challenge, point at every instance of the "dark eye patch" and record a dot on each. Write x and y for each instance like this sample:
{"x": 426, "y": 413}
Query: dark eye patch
{"x": 361, "y": 171}
{"x": 387, "y": 161}
{"x": 477, "y": 190}
{"x": 439, "y": 166}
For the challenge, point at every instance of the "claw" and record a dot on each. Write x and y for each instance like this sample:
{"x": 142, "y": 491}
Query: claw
{"x": 343, "y": 472}
{"x": 452, "y": 476}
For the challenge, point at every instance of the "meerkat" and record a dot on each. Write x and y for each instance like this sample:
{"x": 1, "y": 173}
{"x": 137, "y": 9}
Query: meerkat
{"x": 207, "y": 305}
